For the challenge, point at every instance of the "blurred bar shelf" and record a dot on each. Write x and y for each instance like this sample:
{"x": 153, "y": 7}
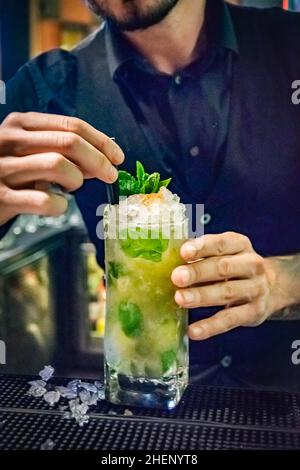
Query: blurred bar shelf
{"x": 52, "y": 295}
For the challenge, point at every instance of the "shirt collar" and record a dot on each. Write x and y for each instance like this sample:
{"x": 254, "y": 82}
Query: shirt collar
{"x": 220, "y": 27}
{"x": 228, "y": 38}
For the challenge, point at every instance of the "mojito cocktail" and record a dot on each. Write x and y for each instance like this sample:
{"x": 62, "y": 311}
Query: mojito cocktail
{"x": 146, "y": 348}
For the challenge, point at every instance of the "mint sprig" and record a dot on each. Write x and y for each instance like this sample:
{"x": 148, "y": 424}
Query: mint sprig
{"x": 142, "y": 183}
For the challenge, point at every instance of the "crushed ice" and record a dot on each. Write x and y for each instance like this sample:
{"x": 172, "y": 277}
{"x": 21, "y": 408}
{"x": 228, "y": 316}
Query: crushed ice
{"x": 36, "y": 391}
{"x": 142, "y": 208}
{"x": 88, "y": 398}
{"x": 38, "y": 383}
{"x": 52, "y": 397}
{"x": 79, "y": 411}
{"x": 47, "y": 373}
{"x": 66, "y": 392}
{"x": 80, "y": 395}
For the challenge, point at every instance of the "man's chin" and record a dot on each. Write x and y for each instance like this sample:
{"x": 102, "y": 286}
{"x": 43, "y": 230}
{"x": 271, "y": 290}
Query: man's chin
{"x": 135, "y": 18}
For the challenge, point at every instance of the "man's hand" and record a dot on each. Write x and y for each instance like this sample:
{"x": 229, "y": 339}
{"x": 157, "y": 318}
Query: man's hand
{"x": 39, "y": 148}
{"x": 224, "y": 270}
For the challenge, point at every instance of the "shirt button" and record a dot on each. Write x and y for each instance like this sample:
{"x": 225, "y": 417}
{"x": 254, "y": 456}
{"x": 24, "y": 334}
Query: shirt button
{"x": 226, "y": 361}
{"x": 177, "y": 80}
{"x": 194, "y": 151}
{"x": 205, "y": 218}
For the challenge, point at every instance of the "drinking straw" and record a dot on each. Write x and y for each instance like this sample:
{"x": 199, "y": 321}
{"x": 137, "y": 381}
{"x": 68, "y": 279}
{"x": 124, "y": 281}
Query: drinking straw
{"x": 113, "y": 192}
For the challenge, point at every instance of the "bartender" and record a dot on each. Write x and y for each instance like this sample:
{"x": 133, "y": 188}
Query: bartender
{"x": 200, "y": 91}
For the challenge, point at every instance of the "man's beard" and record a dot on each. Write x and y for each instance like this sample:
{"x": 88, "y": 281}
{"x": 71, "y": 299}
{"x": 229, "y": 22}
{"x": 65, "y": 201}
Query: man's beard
{"x": 135, "y": 18}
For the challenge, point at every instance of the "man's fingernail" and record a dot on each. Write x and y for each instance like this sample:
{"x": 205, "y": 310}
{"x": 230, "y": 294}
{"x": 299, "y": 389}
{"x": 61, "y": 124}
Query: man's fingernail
{"x": 188, "y": 296}
{"x": 190, "y": 250}
{"x": 113, "y": 174}
{"x": 120, "y": 155}
{"x": 185, "y": 276}
{"x": 197, "y": 331}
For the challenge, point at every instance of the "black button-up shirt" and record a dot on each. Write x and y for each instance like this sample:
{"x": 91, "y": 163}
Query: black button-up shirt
{"x": 185, "y": 115}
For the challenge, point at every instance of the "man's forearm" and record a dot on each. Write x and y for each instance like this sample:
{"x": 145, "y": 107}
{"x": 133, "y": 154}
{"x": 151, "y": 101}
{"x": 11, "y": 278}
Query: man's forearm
{"x": 287, "y": 286}
{"x": 288, "y": 313}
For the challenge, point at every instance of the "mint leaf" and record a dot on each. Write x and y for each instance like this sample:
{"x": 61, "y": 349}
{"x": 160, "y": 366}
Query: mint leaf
{"x": 115, "y": 270}
{"x": 138, "y": 244}
{"x": 167, "y": 359}
{"x": 131, "y": 319}
{"x": 128, "y": 184}
{"x": 155, "y": 179}
{"x": 164, "y": 183}
{"x": 151, "y": 184}
{"x": 140, "y": 173}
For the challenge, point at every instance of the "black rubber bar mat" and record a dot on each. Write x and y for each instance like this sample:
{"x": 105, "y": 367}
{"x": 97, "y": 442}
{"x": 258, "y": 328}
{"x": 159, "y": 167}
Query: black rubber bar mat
{"x": 206, "y": 418}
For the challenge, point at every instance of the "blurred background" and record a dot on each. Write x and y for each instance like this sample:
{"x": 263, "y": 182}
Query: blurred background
{"x": 52, "y": 294}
